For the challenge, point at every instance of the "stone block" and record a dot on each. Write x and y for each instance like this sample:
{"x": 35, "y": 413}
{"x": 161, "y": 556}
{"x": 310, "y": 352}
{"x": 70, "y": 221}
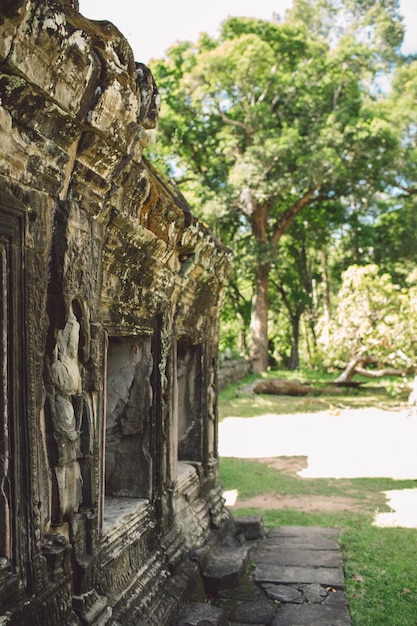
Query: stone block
{"x": 298, "y": 556}
{"x": 196, "y": 614}
{"x": 250, "y": 526}
{"x": 288, "y": 574}
{"x": 225, "y": 568}
{"x": 56, "y": 56}
{"x": 312, "y": 615}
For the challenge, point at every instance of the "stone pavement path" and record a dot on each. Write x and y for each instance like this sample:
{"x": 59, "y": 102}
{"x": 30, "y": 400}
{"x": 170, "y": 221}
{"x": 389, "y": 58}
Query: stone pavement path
{"x": 292, "y": 576}
{"x": 302, "y": 568}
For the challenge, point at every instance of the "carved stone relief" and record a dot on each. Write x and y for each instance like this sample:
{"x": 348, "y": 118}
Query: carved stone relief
{"x": 4, "y": 425}
{"x": 66, "y": 410}
{"x": 94, "y": 245}
{"x": 129, "y": 402}
{"x": 189, "y": 402}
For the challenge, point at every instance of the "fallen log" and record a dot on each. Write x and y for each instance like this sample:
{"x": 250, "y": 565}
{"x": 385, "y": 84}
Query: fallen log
{"x": 387, "y": 371}
{"x": 351, "y": 367}
{"x": 282, "y": 387}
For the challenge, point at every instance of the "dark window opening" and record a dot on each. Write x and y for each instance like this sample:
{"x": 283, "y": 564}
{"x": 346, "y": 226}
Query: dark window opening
{"x": 189, "y": 377}
{"x": 128, "y": 461}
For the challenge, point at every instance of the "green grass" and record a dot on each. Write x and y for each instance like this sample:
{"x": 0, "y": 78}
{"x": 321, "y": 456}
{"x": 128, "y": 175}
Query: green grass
{"x": 256, "y": 477}
{"x": 380, "y": 563}
{"x": 236, "y": 401}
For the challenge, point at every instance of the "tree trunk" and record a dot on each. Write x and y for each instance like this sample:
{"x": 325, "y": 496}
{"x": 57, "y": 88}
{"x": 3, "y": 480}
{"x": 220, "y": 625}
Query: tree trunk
{"x": 326, "y": 299}
{"x": 307, "y": 342}
{"x": 242, "y": 334}
{"x": 385, "y": 371}
{"x": 258, "y": 348}
{"x": 295, "y": 339}
{"x": 347, "y": 374}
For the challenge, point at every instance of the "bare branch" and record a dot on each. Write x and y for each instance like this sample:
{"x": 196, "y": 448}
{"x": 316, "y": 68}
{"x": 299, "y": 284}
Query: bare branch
{"x": 236, "y": 123}
{"x": 289, "y": 214}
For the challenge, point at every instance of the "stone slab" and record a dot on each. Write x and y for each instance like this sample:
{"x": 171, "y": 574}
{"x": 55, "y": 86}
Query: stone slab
{"x": 287, "y": 574}
{"x": 307, "y": 543}
{"x": 242, "y": 624}
{"x": 298, "y": 556}
{"x": 284, "y": 593}
{"x": 312, "y": 615}
{"x": 310, "y": 532}
{"x": 261, "y": 611}
{"x": 337, "y": 596}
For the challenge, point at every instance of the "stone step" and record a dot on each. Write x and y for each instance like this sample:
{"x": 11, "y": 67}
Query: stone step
{"x": 225, "y": 568}
{"x": 292, "y": 576}
{"x": 198, "y": 613}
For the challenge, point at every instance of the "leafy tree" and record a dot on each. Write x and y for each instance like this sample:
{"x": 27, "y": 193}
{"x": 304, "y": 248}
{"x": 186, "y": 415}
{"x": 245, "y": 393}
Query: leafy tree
{"x": 376, "y": 23}
{"x": 374, "y": 322}
{"x": 297, "y": 272}
{"x": 263, "y": 123}
{"x": 395, "y": 240}
{"x": 396, "y": 224}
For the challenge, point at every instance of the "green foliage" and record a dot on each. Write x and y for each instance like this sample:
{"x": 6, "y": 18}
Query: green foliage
{"x": 377, "y": 24}
{"x": 277, "y": 118}
{"x": 374, "y": 317}
{"x": 395, "y": 247}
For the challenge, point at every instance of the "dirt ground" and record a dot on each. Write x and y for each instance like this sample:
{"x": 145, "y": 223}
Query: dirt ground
{"x": 343, "y": 444}
{"x": 305, "y": 503}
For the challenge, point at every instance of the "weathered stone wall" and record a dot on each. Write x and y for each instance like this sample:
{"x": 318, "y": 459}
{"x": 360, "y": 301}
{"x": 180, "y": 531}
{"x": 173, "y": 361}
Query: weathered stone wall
{"x": 110, "y": 297}
{"x": 233, "y": 370}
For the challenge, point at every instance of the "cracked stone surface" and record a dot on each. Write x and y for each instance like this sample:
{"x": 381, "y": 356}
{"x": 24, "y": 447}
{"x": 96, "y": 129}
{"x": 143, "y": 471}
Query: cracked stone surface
{"x": 296, "y": 579}
{"x": 311, "y": 615}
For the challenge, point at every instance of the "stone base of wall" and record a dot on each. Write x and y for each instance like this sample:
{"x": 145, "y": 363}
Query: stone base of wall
{"x": 233, "y": 370}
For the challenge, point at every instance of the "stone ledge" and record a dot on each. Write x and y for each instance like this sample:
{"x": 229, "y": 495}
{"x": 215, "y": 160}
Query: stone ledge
{"x": 312, "y": 614}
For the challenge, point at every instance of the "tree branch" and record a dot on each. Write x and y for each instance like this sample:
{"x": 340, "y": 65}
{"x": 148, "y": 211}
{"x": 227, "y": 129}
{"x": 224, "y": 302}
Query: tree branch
{"x": 236, "y": 123}
{"x": 388, "y": 371}
{"x": 289, "y": 214}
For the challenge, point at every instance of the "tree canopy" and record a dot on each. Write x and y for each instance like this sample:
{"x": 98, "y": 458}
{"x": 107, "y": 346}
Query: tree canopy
{"x": 375, "y": 320}
{"x": 274, "y": 119}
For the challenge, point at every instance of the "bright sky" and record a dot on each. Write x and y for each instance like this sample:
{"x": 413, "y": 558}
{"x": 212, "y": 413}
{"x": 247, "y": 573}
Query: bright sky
{"x": 153, "y": 26}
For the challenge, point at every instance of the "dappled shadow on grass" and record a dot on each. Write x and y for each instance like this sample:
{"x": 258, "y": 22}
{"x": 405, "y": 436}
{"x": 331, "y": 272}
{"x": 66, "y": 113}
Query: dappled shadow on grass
{"x": 251, "y": 405}
{"x": 338, "y": 443}
{"x": 279, "y": 489}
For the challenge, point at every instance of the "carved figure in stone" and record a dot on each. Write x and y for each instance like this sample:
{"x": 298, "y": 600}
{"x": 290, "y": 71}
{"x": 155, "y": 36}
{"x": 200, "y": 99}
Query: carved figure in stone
{"x": 150, "y": 99}
{"x": 133, "y": 412}
{"x": 66, "y": 410}
{"x": 211, "y": 410}
{"x": 4, "y": 504}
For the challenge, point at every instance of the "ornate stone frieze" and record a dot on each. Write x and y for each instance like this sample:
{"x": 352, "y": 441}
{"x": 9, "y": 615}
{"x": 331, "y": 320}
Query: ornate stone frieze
{"x": 110, "y": 300}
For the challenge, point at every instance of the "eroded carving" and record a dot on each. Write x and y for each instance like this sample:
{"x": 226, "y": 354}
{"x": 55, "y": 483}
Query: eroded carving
{"x": 112, "y": 273}
{"x": 129, "y": 402}
{"x": 66, "y": 404}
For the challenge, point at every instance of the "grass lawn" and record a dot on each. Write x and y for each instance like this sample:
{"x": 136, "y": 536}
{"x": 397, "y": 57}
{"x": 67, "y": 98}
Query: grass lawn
{"x": 380, "y": 563}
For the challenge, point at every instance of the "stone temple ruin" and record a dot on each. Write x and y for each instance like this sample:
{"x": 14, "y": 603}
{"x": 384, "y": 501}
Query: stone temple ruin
{"x": 110, "y": 298}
